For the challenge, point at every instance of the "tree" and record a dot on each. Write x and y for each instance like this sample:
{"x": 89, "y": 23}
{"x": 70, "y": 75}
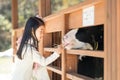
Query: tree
{"x": 5, "y": 33}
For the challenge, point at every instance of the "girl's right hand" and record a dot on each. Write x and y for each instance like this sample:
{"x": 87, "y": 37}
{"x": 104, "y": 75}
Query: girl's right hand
{"x": 59, "y": 49}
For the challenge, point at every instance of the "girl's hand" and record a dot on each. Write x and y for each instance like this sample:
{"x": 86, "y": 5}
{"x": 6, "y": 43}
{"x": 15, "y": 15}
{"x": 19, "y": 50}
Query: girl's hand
{"x": 59, "y": 49}
{"x": 35, "y": 66}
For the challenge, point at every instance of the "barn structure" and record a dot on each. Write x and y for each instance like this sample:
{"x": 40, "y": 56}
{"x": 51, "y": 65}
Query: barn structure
{"x": 85, "y": 14}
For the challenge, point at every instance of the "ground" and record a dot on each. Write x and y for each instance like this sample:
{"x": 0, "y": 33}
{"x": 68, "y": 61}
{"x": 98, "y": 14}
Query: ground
{"x": 5, "y": 68}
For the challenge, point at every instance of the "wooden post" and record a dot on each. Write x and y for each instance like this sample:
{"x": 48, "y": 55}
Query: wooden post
{"x": 14, "y": 35}
{"x": 44, "y": 7}
{"x": 63, "y": 56}
{"x": 48, "y": 7}
{"x": 118, "y": 39}
{"x": 14, "y": 24}
{"x": 14, "y": 14}
{"x": 44, "y": 10}
{"x": 113, "y": 40}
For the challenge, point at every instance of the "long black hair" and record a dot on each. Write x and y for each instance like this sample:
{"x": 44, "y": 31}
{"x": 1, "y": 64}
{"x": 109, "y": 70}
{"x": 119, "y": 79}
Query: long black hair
{"x": 29, "y": 33}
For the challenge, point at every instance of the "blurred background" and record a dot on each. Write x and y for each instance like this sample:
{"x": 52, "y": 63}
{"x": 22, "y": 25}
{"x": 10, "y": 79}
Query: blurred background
{"x": 26, "y": 8}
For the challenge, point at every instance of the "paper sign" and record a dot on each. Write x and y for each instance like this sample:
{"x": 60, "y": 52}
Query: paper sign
{"x": 88, "y": 16}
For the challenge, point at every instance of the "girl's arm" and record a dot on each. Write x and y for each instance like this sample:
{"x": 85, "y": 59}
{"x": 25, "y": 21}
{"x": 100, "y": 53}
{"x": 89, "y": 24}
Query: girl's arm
{"x": 37, "y": 58}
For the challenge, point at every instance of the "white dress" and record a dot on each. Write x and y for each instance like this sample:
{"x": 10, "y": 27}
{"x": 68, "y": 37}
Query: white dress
{"x": 23, "y": 68}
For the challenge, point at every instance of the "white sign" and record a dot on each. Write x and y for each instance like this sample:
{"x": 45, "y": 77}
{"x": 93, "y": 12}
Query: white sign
{"x": 88, "y": 16}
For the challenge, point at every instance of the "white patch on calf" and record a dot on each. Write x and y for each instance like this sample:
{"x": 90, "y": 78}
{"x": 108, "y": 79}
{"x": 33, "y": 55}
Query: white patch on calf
{"x": 69, "y": 38}
{"x": 69, "y": 41}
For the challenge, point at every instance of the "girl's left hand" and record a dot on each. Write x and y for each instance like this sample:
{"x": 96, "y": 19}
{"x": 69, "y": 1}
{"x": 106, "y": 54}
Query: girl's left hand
{"x": 35, "y": 66}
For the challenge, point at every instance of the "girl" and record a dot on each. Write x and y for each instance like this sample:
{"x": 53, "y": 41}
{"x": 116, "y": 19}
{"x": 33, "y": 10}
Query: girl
{"x": 28, "y": 54}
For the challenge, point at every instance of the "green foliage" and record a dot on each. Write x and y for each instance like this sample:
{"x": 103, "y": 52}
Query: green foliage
{"x": 26, "y": 9}
{"x": 5, "y": 25}
{"x": 57, "y": 5}
{"x": 5, "y": 33}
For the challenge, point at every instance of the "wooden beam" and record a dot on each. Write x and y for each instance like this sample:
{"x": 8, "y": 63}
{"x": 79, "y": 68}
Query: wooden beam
{"x": 14, "y": 24}
{"x": 108, "y": 41}
{"x": 118, "y": 39}
{"x": 64, "y": 56}
{"x": 54, "y": 69}
{"x": 74, "y": 76}
{"x": 48, "y": 7}
{"x": 14, "y": 14}
{"x": 44, "y": 7}
{"x": 14, "y": 44}
{"x": 112, "y": 40}
{"x": 99, "y": 54}
{"x": 44, "y": 10}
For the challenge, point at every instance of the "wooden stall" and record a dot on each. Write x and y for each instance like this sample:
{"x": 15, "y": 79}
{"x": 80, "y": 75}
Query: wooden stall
{"x": 103, "y": 12}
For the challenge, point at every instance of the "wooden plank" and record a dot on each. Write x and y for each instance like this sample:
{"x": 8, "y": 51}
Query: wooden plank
{"x": 14, "y": 24}
{"x": 111, "y": 40}
{"x": 71, "y": 63}
{"x": 54, "y": 20}
{"x": 118, "y": 39}
{"x": 48, "y": 7}
{"x": 50, "y": 49}
{"x": 114, "y": 39}
{"x": 107, "y": 46}
{"x": 75, "y": 76}
{"x": 76, "y": 21}
{"x": 99, "y": 54}
{"x": 63, "y": 56}
{"x": 55, "y": 24}
{"x": 42, "y": 8}
{"x": 108, "y": 41}
{"x": 14, "y": 14}
{"x": 80, "y": 6}
{"x": 16, "y": 33}
{"x": 99, "y": 13}
{"x": 19, "y": 31}
{"x": 54, "y": 69}
{"x": 105, "y": 75}
{"x": 113, "y": 19}
{"x": 47, "y": 40}
{"x": 14, "y": 44}
{"x": 41, "y": 46}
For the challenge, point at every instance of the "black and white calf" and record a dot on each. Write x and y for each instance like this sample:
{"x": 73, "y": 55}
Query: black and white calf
{"x": 88, "y": 38}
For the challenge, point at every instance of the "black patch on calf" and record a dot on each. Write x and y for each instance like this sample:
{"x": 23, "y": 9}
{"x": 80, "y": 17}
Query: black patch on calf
{"x": 91, "y": 66}
{"x": 91, "y": 35}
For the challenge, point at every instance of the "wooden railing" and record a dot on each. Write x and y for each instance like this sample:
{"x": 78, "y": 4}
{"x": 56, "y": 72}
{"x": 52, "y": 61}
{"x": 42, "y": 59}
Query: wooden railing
{"x": 62, "y": 22}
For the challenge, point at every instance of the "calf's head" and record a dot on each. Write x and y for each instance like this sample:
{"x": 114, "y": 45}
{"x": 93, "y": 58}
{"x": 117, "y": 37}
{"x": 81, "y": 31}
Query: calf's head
{"x": 90, "y": 38}
{"x": 77, "y": 39}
